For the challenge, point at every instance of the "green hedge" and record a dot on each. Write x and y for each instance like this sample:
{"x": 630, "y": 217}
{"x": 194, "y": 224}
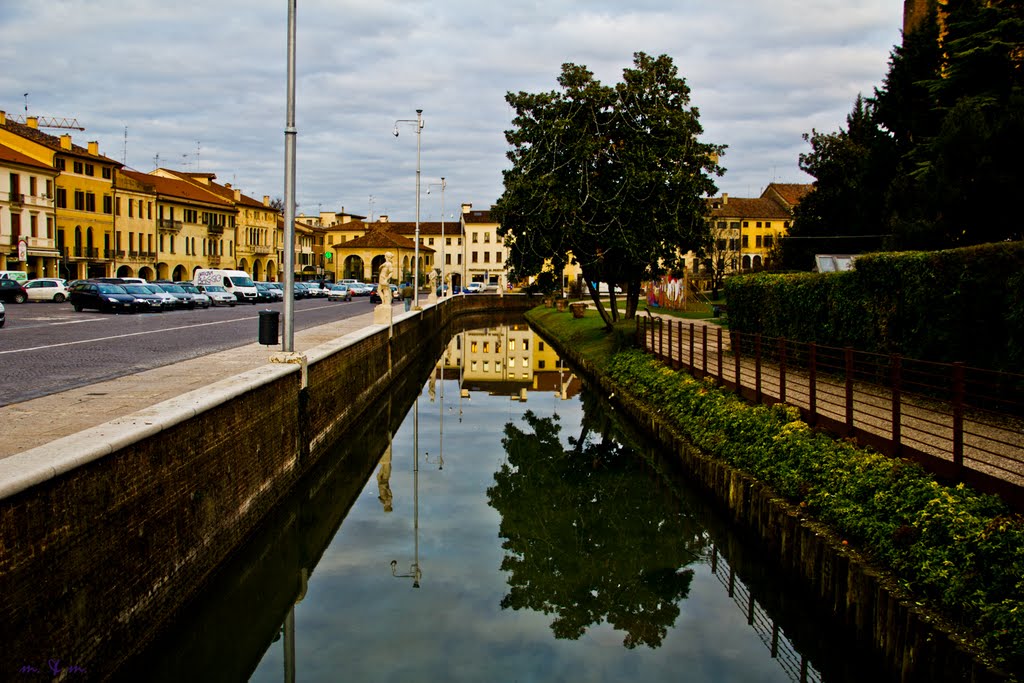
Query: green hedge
{"x": 954, "y": 305}
{"x": 959, "y": 551}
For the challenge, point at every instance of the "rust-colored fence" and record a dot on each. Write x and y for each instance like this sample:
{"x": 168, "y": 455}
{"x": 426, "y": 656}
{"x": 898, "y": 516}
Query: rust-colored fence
{"x": 962, "y": 423}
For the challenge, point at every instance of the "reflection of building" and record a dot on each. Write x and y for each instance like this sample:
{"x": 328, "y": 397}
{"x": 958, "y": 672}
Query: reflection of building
{"x": 506, "y": 361}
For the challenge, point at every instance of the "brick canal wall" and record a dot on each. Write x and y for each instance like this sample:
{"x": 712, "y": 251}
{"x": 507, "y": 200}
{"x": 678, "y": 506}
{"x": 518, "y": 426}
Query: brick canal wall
{"x": 880, "y": 619}
{"x": 99, "y": 544}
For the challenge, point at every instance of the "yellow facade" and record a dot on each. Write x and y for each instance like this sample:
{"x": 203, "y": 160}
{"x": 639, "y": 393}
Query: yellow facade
{"x": 135, "y": 229}
{"x": 27, "y": 218}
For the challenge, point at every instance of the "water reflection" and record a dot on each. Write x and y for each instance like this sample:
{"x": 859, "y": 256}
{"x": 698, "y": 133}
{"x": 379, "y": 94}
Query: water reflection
{"x": 526, "y": 531}
{"x": 584, "y": 539}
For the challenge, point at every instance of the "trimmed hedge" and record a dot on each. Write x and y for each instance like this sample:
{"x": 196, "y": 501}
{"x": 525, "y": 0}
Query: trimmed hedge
{"x": 957, "y": 550}
{"x": 954, "y": 305}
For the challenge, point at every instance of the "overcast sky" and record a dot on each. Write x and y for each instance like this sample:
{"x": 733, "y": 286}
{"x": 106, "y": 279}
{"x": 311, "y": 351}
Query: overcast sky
{"x": 202, "y": 84}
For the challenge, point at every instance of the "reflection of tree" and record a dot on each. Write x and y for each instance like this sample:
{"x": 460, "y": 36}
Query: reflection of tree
{"x": 587, "y": 536}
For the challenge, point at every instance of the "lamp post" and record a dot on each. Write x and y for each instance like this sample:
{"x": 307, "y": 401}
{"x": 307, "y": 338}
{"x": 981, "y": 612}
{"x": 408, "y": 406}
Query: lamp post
{"x": 416, "y": 247}
{"x": 443, "y": 184}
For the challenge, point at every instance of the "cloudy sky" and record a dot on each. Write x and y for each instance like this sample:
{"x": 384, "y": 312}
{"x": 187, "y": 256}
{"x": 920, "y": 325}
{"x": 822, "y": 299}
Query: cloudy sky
{"x": 202, "y": 84}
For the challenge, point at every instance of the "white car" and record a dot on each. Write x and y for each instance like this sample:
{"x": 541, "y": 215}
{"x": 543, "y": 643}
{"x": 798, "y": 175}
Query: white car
{"x": 473, "y": 288}
{"x": 46, "y": 289}
{"x": 218, "y": 295}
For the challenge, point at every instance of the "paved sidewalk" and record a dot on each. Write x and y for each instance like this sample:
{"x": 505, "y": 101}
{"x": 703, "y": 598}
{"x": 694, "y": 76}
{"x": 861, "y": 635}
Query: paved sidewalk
{"x": 33, "y": 423}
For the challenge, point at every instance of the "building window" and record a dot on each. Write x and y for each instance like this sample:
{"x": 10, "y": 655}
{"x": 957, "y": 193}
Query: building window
{"x": 106, "y": 173}
{"x": 475, "y": 237}
{"x": 746, "y": 224}
{"x": 459, "y": 261}
{"x": 487, "y": 238}
{"x": 497, "y": 257}
{"x": 447, "y": 259}
{"x": 90, "y": 201}
{"x": 430, "y": 241}
{"x": 487, "y": 256}
{"x": 90, "y": 170}
{"x": 62, "y": 198}
{"x": 108, "y": 204}
{"x": 60, "y": 164}
{"x": 540, "y": 365}
{"x": 768, "y": 241}
{"x": 757, "y": 241}
{"x": 79, "y": 200}
{"x": 131, "y": 206}
{"x": 768, "y": 224}
{"x": 473, "y": 258}
{"x": 745, "y": 243}
{"x": 77, "y": 166}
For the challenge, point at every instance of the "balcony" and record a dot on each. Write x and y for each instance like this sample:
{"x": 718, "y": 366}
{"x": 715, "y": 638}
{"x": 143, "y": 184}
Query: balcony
{"x": 213, "y": 260}
{"x": 17, "y": 198}
{"x": 262, "y": 249}
{"x": 168, "y": 225}
{"x": 83, "y": 252}
{"x": 215, "y": 229}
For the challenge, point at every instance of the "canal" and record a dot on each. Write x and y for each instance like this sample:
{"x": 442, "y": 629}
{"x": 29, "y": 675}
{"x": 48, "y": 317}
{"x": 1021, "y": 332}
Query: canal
{"x": 496, "y": 520}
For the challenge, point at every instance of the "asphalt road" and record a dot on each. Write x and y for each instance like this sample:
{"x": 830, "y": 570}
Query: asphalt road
{"x": 47, "y": 348}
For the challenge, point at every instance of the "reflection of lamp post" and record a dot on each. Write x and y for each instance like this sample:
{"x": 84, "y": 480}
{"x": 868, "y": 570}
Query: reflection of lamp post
{"x": 414, "y": 569}
{"x": 416, "y": 247}
{"x": 443, "y": 184}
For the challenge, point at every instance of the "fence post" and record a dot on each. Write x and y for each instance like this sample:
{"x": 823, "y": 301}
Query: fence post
{"x": 958, "y": 415}
{"x": 704, "y": 350}
{"x": 812, "y": 382}
{"x": 782, "y": 370}
{"x": 671, "y": 359}
{"x": 661, "y": 338}
{"x": 757, "y": 368}
{"x": 721, "y": 379}
{"x": 896, "y": 368}
{"x": 693, "y": 367}
{"x": 849, "y": 390}
{"x": 735, "y": 337}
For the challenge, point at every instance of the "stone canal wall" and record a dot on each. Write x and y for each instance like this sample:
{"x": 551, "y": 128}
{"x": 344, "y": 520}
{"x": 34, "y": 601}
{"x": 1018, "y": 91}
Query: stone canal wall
{"x": 105, "y": 533}
{"x": 880, "y": 619}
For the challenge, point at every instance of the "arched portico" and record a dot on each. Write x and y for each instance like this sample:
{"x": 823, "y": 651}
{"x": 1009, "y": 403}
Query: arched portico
{"x": 354, "y": 268}
{"x": 181, "y": 273}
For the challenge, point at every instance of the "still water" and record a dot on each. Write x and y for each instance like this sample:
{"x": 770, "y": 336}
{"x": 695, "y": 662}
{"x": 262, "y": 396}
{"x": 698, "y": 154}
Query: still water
{"x": 508, "y": 528}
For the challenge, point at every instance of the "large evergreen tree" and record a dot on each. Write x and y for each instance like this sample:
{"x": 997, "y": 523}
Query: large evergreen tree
{"x": 614, "y": 176}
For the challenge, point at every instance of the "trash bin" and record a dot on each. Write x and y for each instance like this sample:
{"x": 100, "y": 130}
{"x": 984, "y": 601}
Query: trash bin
{"x": 268, "y": 327}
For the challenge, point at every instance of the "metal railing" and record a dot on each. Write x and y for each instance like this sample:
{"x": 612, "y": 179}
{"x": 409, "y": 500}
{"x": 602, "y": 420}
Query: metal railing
{"x": 962, "y": 423}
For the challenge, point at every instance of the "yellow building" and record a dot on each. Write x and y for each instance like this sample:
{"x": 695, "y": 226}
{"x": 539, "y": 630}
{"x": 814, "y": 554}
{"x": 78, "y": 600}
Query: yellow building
{"x": 484, "y": 249}
{"x": 258, "y": 239}
{"x": 27, "y": 220}
{"x": 83, "y": 195}
{"x": 193, "y": 224}
{"x": 135, "y": 241}
{"x": 360, "y": 258}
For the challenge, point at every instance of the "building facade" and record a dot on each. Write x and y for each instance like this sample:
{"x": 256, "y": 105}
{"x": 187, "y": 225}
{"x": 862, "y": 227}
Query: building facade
{"x": 27, "y": 218}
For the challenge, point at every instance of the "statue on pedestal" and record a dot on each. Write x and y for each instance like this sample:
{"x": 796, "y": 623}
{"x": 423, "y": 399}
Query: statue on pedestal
{"x": 382, "y": 313}
{"x": 432, "y": 287}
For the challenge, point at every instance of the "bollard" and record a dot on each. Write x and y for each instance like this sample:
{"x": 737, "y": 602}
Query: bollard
{"x": 268, "y": 327}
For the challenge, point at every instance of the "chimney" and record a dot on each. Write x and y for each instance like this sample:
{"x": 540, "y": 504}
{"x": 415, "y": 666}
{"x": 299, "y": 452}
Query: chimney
{"x": 466, "y": 208}
{"x": 266, "y": 200}
{"x": 3, "y": 118}
{"x": 65, "y": 141}
{"x": 238, "y": 195}
{"x": 382, "y": 218}
{"x": 227, "y": 185}
{"x": 94, "y": 148}
{"x": 32, "y": 122}
{"x": 725, "y": 198}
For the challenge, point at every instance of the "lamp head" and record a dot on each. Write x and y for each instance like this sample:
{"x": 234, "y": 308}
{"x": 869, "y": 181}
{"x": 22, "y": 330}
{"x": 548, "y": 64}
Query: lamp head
{"x": 395, "y": 131}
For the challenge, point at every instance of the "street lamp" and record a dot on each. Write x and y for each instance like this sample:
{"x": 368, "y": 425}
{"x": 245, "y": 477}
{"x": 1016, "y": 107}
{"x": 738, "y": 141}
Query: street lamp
{"x": 443, "y": 184}
{"x": 416, "y": 249}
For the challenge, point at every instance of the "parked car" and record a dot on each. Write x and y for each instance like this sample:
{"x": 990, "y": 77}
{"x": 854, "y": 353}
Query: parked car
{"x": 3, "y": 315}
{"x": 361, "y": 289}
{"x": 185, "y": 300}
{"x": 167, "y": 300}
{"x": 46, "y": 289}
{"x": 102, "y": 296}
{"x": 11, "y": 291}
{"x": 202, "y": 301}
{"x": 145, "y": 298}
{"x": 265, "y": 294}
{"x": 339, "y": 292}
{"x": 218, "y": 295}
{"x": 315, "y": 290}
{"x": 473, "y": 288}
{"x": 300, "y": 291}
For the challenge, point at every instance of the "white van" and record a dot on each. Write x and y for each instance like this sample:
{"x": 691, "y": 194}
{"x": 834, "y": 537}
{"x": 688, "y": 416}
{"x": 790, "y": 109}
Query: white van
{"x": 19, "y": 275}
{"x": 237, "y": 282}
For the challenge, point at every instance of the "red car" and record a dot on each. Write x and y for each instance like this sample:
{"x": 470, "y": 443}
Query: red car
{"x": 11, "y": 291}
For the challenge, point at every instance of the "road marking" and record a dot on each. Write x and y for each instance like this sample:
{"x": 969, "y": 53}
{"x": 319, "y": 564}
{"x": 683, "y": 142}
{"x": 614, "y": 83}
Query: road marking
{"x": 138, "y": 334}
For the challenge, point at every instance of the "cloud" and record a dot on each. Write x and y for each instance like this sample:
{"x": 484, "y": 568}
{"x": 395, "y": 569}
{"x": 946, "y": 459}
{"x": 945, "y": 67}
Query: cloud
{"x": 203, "y": 85}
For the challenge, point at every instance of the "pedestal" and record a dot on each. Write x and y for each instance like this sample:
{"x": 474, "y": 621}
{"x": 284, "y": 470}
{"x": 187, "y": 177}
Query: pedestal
{"x": 382, "y": 314}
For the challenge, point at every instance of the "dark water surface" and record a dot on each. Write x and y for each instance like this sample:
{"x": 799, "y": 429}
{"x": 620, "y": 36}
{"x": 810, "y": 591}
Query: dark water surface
{"x": 496, "y": 534}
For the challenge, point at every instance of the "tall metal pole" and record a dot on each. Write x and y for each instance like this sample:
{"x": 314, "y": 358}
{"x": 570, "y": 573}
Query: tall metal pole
{"x": 416, "y": 249}
{"x": 443, "y": 292}
{"x": 288, "y": 344}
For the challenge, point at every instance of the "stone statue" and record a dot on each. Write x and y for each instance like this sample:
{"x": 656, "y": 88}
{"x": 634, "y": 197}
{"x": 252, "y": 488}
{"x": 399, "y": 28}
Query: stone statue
{"x": 432, "y": 287}
{"x": 387, "y": 271}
